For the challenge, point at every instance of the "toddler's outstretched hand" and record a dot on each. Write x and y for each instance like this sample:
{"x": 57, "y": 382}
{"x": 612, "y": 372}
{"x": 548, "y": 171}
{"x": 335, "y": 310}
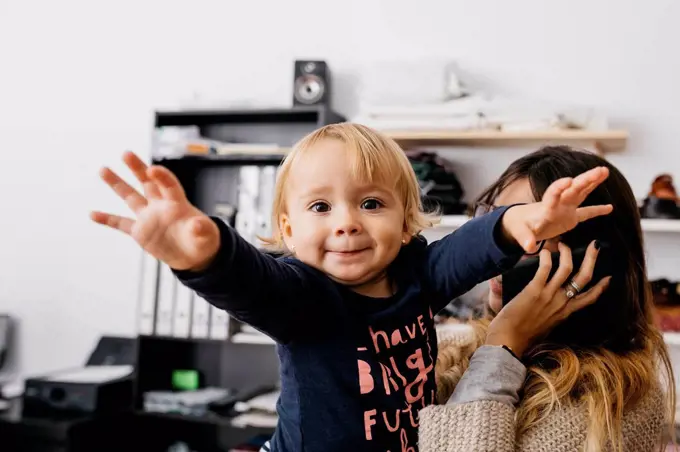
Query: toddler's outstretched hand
{"x": 167, "y": 225}
{"x": 558, "y": 211}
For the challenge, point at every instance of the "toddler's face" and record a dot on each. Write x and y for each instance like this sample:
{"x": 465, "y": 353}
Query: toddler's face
{"x": 349, "y": 230}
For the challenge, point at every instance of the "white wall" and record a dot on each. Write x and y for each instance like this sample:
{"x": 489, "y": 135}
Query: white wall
{"x": 79, "y": 81}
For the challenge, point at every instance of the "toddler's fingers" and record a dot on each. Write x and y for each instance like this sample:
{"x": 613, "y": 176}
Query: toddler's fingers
{"x": 136, "y": 165}
{"x": 139, "y": 169}
{"x": 168, "y": 183}
{"x": 526, "y": 238}
{"x": 591, "y": 177}
{"x": 589, "y": 189}
{"x": 586, "y": 213}
{"x": 132, "y": 197}
{"x": 113, "y": 221}
{"x": 585, "y": 183}
{"x": 552, "y": 195}
{"x": 529, "y": 243}
{"x": 597, "y": 178}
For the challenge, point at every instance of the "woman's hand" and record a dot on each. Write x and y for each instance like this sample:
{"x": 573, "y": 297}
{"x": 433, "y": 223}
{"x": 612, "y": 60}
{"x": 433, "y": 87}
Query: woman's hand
{"x": 167, "y": 225}
{"x": 543, "y": 304}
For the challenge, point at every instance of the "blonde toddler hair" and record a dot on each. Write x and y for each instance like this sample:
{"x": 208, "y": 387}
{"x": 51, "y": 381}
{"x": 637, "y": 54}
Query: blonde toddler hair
{"x": 373, "y": 157}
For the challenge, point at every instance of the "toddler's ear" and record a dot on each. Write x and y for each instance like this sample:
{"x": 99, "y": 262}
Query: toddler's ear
{"x": 285, "y": 228}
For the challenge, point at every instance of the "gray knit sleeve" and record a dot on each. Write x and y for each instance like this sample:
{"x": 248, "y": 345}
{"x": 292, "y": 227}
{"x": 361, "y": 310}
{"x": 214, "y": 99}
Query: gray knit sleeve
{"x": 493, "y": 374}
{"x": 480, "y": 415}
{"x": 484, "y": 426}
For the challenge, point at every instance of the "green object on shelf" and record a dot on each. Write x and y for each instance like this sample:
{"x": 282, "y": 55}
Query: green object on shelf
{"x": 185, "y": 380}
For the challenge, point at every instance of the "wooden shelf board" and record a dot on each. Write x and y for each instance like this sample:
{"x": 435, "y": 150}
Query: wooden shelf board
{"x": 607, "y": 140}
{"x": 648, "y": 225}
{"x": 671, "y": 338}
{"x": 654, "y": 225}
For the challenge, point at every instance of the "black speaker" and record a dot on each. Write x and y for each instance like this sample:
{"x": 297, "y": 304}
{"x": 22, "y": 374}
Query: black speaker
{"x": 312, "y": 85}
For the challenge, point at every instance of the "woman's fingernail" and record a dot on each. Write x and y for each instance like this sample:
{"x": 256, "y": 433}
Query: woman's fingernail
{"x": 607, "y": 280}
{"x": 597, "y": 244}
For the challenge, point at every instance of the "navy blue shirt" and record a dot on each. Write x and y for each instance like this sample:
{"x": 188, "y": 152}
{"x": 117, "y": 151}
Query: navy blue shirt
{"x": 355, "y": 370}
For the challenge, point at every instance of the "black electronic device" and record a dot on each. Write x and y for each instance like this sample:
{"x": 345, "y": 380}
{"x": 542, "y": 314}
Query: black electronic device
{"x": 517, "y": 278}
{"x": 312, "y": 83}
{"x": 90, "y": 390}
{"x": 103, "y": 385}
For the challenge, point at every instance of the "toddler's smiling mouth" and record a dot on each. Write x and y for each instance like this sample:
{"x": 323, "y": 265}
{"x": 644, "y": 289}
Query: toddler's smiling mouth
{"x": 347, "y": 253}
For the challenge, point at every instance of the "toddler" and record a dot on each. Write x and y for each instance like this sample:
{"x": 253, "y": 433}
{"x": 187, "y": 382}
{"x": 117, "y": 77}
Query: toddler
{"x": 351, "y": 304}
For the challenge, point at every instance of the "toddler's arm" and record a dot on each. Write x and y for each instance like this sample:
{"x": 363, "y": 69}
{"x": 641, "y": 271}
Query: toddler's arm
{"x": 258, "y": 289}
{"x": 474, "y": 253}
{"x": 210, "y": 257}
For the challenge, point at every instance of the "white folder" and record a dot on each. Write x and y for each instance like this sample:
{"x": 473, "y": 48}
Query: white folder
{"x": 219, "y": 323}
{"x": 146, "y": 304}
{"x": 200, "y": 319}
{"x": 248, "y": 190}
{"x": 181, "y": 326}
{"x": 165, "y": 309}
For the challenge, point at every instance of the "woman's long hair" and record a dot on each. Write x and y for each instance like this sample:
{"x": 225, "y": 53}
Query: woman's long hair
{"x": 607, "y": 356}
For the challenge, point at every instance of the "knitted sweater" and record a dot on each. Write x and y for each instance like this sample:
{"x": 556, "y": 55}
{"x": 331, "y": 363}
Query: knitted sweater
{"x": 480, "y": 416}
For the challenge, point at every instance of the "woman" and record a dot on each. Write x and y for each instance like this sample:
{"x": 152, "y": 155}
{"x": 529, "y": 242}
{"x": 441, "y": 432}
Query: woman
{"x": 588, "y": 367}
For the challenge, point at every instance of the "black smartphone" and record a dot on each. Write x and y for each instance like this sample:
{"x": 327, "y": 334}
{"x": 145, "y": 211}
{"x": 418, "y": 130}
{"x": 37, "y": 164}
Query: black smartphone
{"x": 517, "y": 278}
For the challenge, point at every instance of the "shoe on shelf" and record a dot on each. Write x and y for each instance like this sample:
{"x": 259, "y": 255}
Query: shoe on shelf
{"x": 665, "y": 292}
{"x": 662, "y": 200}
{"x": 666, "y": 297}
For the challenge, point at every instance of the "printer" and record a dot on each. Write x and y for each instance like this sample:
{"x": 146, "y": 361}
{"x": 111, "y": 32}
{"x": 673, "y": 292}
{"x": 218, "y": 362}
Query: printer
{"x": 103, "y": 385}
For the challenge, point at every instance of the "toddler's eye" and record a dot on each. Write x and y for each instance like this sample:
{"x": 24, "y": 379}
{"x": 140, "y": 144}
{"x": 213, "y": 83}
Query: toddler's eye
{"x": 371, "y": 204}
{"x": 320, "y": 207}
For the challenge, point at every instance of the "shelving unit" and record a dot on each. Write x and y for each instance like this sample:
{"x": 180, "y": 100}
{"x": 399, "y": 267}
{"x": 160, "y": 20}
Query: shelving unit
{"x": 257, "y": 137}
{"x": 604, "y": 141}
{"x": 648, "y": 225}
{"x": 243, "y": 368}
